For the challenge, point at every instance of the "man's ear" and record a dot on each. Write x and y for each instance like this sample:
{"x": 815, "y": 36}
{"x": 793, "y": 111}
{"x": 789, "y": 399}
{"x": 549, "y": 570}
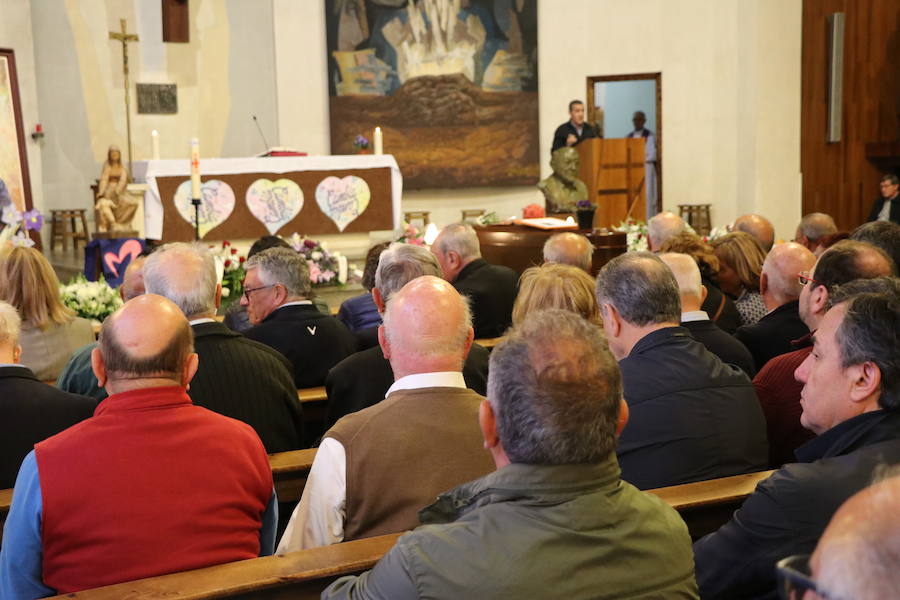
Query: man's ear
{"x": 98, "y": 367}
{"x": 623, "y": 416}
{"x": 866, "y": 381}
{"x": 487, "y": 420}
{"x": 17, "y": 354}
{"x": 703, "y": 294}
{"x": 470, "y": 338}
{"x": 280, "y": 293}
{"x": 818, "y": 299}
{"x": 378, "y": 300}
{"x": 612, "y": 320}
{"x": 383, "y": 342}
{"x": 189, "y": 370}
{"x": 763, "y": 283}
{"x": 218, "y": 295}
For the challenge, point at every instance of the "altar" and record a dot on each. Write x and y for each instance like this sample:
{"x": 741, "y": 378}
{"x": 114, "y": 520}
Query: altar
{"x": 246, "y": 198}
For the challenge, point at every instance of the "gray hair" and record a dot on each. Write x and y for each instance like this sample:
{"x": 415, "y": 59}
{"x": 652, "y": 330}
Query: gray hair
{"x": 686, "y": 272}
{"x": 891, "y": 178}
{"x": 185, "y": 274}
{"x": 460, "y": 238}
{"x": 870, "y": 332}
{"x": 282, "y": 266}
{"x": 877, "y": 285}
{"x": 883, "y": 234}
{"x": 401, "y": 263}
{"x": 641, "y": 287}
{"x": 664, "y": 226}
{"x": 564, "y": 407}
{"x": 563, "y": 248}
{"x": 815, "y": 226}
{"x": 10, "y": 324}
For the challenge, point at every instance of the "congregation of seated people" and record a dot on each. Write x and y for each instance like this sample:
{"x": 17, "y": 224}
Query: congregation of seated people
{"x": 517, "y": 471}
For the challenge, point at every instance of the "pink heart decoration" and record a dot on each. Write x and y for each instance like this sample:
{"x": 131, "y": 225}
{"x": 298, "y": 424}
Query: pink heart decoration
{"x": 128, "y": 250}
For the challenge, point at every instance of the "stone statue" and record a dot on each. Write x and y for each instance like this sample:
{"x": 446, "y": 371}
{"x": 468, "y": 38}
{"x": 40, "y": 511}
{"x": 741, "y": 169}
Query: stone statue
{"x": 115, "y": 209}
{"x": 562, "y": 190}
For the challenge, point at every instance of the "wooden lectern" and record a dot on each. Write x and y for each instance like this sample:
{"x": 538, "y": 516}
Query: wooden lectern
{"x": 613, "y": 171}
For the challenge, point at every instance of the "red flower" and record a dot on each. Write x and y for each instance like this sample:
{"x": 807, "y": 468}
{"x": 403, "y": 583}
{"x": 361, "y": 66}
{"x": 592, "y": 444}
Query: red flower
{"x": 227, "y": 263}
{"x": 226, "y": 243}
{"x": 242, "y": 259}
{"x": 233, "y": 251}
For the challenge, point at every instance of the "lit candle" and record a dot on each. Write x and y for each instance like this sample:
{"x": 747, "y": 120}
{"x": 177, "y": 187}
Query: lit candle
{"x": 195, "y": 168}
{"x": 154, "y": 139}
{"x": 379, "y": 145}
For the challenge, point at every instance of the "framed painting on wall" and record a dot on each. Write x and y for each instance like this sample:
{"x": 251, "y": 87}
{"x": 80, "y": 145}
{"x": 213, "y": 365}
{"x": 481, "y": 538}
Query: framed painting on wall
{"x": 16, "y": 185}
{"x": 453, "y": 86}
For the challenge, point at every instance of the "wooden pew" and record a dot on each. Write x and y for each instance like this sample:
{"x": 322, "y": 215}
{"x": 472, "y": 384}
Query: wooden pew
{"x": 306, "y": 573}
{"x": 289, "y": 471}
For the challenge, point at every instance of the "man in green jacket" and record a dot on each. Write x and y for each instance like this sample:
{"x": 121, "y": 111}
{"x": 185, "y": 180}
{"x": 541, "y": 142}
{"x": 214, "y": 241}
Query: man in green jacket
{"x": 554, "y": 520}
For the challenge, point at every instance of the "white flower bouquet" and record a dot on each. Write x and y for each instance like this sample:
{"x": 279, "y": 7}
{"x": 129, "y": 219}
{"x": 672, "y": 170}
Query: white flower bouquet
{"x": 90, "y": 299}
{"x": 636, "y": 234}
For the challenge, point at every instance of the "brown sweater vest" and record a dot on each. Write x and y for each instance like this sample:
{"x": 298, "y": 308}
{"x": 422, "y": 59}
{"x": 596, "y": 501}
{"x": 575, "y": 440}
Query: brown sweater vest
{"x": 403, "y": 452}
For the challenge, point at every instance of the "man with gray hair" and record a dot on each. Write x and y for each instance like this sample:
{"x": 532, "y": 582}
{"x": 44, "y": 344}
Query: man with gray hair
{"x": 491, "y": 289}
{"x": 812, "y": 228}
{"x": 759, "y": 227}
{"x": 663, "y": 227}
{"x": 887, "y": 206}
{"x": 569, "y": 249}
{"x": 692, "y": 416}
{"x": 779, "y": 285}
{"x": 377, "y": 467}
{"x": 31, "y": 411}
{"x": 362, "y": 379}
{"x": 276, "y": 294}
{"x": 851, "y": 400}
{"x": 237, "y": 377}
{"x": 554, "y": 519}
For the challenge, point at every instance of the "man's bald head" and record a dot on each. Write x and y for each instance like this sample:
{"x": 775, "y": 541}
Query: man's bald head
{"x": 663, "y": 227}
{"x": 779, "y": 282}
{"x": 148, "y": 339}
{"x": 186, "y": 275}
{"x": 687, "y": 274}
{"x": 569, "y": 249}
{"x": 814, "y": 227}
{"x": 427, "y": 328}
{"x": 759, "y": 227}
{"x": 133, "y": 280}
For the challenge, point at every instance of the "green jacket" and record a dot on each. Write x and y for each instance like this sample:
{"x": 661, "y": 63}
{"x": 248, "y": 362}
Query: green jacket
{"x": 525, "y": 531}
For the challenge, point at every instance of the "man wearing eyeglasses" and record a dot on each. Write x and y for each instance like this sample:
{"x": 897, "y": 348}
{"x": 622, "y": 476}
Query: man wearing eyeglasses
{"x": 887, "y": 207}
{"x": 851, "y": 400}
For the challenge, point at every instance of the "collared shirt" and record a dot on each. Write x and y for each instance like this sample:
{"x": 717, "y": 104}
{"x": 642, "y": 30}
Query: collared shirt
{"x": 318, "y": 519}
{"x": 694, "y": 315}
{"x": 296, "y": 303}
{"x": 201, "y": 320}
{"x": 885, "y": 214}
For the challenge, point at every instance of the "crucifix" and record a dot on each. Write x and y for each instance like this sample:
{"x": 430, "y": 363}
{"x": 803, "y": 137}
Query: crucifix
{"x": 125, "y": 37}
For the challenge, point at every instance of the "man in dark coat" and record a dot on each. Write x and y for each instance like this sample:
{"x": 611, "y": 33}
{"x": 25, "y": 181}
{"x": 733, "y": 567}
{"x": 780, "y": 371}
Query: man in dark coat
{"x": 850, "y": 398}
{"x": 276, "y": 294}
{"x": 574, "y": 130}
{"x": 887, "y": 207}
{"x": 491, "y": 289}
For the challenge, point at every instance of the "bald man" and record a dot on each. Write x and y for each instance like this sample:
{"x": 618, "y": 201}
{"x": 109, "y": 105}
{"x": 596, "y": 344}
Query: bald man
{"x": 377, "y": 467}
{"x": 151, "y": 484}
{"x": 693, "y": 294}
{"x": 779, "y": 285}
{"x": 759, "y": 227}
{"x": 663, "y": 227}
{"x": 569, "y": 249}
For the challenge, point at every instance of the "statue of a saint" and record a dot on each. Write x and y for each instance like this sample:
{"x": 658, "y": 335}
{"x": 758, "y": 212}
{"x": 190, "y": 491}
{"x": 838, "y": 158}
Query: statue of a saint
{"x": 562, "y": 190}
{"x": 115, "y": 209}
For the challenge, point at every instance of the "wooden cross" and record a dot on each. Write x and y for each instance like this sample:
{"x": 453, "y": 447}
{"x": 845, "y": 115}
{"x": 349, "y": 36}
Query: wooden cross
{"x": 125, "y": 37}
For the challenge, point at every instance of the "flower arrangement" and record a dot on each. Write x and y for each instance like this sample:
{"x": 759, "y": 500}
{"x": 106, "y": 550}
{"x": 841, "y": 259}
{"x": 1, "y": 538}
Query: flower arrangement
{"x": 716, "y": 233}
{"x": 490, "y": 218}
{"x": 411, "y": 235}
{"x": 325, "y": 267}
{"x": 585, "y": 205}
{"x": 360, "y": 143}
{"x": 231, "y": 264}
{"x": 636, "y": 233}
{"x": 90, "y": 299}
{"x": 17, "y": 226}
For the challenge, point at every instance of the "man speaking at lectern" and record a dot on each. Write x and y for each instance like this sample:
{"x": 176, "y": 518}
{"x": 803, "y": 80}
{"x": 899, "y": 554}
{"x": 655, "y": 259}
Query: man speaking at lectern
{"x": 574, "y": 130}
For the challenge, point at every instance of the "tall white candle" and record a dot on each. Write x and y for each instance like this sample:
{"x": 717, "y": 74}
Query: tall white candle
{"x": 195, "y": 168}
{"x": 379, "y": 143}
{"x": 154, "y": 139}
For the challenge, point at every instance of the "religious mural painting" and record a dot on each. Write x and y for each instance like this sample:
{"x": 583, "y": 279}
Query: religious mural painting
{"x": 452, "y": 84}
{"x": 15, "y": 186}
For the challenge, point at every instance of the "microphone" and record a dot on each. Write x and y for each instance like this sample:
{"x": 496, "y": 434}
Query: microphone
{"x": 261, "y": 134}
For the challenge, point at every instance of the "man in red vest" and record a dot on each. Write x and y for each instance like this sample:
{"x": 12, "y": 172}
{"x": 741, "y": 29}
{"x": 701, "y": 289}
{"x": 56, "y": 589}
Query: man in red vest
{"x": 151, "y": 484}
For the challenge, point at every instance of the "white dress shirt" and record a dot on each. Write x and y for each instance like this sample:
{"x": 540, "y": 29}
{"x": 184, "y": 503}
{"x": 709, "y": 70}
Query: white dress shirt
{"x": 318, "y": 520}
{"x": 694, "y": 315}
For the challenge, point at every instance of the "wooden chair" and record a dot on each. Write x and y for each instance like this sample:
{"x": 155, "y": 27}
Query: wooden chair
{"x": 412, "y": 215}
{"x": 471, "y": 214}
{"x": 59, "y": 219}
{"x": 697, "y": 216}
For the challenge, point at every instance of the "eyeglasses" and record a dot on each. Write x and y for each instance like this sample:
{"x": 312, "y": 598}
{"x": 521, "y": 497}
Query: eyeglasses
{"x": 795, "y": 579}
{"x": 804, "y": 278}
{"x": 247, "y": 291}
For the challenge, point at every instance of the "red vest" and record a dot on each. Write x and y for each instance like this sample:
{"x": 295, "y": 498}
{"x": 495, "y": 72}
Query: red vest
{"x": 151, "y": 484}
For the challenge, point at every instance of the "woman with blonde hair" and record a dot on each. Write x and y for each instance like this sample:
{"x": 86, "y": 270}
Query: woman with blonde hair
{"x": 740, "y": 263}
{"x": 50, "y": 332}
{"x": 554, "y": 285}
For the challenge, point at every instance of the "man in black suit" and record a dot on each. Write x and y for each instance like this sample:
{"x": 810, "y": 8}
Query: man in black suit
{"x": 574, "y": 130}
{"x": 491, "y": 289}
{"x": 780, "y": 287}
{"x": 237, "y": 377}
{"x": 362, "y": 379}
{"x": 30, "y": 411}
{"x": 887, "y": 208}
{"x": 276, "y": 293}
{"x": 695, "y": 320}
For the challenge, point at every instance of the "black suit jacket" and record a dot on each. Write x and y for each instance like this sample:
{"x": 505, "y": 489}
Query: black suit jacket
{"x": 723, "y": 345}
{"x": 362, "y": 379}
{"x": 250, "y": 382}
{"x": 311, "y": 341}
{"x": 492, "y": 292}
{"x": 562, "y": 132}
{"x": 772, "y": 335}
{"x": 30, "y": 412}
{"x": 895, "y": 209}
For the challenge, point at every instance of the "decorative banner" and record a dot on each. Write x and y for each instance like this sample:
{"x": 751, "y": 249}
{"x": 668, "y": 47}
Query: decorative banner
{"x": 123, "y": 258}
{"x": 215, "y": 206}
{"x": 343, "y": 200}
{"x": 111, "y": 257}
{"x": 274, "y": 203}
